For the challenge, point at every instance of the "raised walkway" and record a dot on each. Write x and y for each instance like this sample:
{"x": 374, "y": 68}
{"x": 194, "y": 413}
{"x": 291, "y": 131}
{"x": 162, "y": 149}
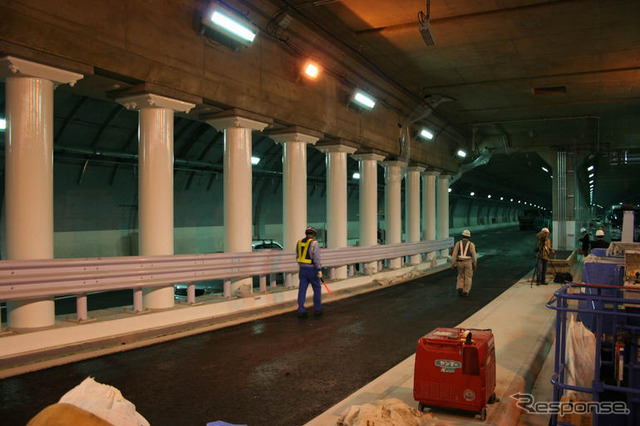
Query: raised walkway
{"x": 524, "y": 332}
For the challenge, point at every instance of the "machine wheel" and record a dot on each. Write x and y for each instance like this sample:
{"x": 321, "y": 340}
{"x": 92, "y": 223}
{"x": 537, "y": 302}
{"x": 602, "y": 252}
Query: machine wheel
{"x": 483, "y": 414}
{"x": 492, "y": 398}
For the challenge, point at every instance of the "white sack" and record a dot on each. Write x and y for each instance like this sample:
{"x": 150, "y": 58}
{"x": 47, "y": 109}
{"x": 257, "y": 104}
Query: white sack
{"x": 580, "y": 358}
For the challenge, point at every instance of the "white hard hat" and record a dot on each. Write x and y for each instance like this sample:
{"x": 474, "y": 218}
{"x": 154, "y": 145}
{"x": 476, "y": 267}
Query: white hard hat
{"x": 545, "y": 230}
{"x": 583, "y": 229}
{"x": 466, "y": 233}
{"x": 599, "y": 233}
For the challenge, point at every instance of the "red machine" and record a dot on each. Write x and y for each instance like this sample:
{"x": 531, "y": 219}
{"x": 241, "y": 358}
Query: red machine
{"x": 456, "y": 368}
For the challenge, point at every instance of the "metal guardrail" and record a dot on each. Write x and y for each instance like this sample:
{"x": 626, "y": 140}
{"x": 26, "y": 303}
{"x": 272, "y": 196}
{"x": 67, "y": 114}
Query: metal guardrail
{"x": 32, "y": 279}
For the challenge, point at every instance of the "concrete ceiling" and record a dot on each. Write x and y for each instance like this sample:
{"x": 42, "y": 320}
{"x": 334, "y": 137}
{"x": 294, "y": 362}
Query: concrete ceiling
{"x": 526, "y": 76}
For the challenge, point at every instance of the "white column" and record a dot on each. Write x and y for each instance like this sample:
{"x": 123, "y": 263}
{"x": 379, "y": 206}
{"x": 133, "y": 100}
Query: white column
{"x": 29, "y": 174}
{"x": 443, "y": 209}
{"x": 336, "y": 160}
{"x": 155, "y": 182}
{"x": 369, "y": 203}
{"x": 393, "y": 205}
{"x": 237, "y": 187}
{"x": 294, "y": 170}
{"x": 412, "y": 206}
{"x": 429, "y": 208}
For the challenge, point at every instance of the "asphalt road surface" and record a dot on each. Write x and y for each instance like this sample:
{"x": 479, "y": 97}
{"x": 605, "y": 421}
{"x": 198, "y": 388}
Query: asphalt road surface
{"x": 282, "y": 370}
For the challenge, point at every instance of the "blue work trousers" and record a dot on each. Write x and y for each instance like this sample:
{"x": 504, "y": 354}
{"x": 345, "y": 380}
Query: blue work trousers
{"x": 309, "y": 275}
{"x": 541, "y": 271}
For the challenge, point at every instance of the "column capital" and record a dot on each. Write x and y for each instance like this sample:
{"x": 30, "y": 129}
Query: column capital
{"x": 295, "y": 134}
{"x": 394, "y": 163}
{"x": 237, "y": 118}
{"x": 431, "y": 172}
{"x": 15, "y": 67}
{"x": 337, "y": 145}
{"x": 151, "y": 100}
{"x": 369, "y": 154}
{"x": 445, "y": 176}
{"x": 415, "y": 168}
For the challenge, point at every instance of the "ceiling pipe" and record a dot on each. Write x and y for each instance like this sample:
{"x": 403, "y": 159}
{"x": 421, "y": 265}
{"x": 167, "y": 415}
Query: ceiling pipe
{"x": 482, "y": 159}
{"x": 420, "y": 113}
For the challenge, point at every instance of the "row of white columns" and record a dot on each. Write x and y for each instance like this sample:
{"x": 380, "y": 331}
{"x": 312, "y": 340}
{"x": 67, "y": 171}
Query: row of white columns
{"x": 29, "y": 184}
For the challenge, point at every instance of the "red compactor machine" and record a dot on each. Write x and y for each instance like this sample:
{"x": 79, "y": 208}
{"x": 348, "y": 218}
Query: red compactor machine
{"x": 456, "y": 368}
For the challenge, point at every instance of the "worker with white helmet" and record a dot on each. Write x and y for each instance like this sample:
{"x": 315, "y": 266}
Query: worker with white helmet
{"x": 543, "y": 250}
{"x": 310, "y": 267}
{"x": 584, "y": 248}
{"x": 600, "y": 242}
{"x": 465, "y": 258}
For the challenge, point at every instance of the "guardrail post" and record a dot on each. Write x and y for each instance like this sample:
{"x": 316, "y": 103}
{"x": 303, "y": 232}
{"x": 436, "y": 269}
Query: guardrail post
{"x": 137, "y": 300}
{"x": 227, "y": 288}
{"x": 263, "y": 283}
{"x": 272, "y": 279}
{"x": 352, "y": 270}
{"x": 332, "y": 274}
{"x": 287, "y": 280}
{"x": 191, "y": 293}
{"x": 81, "y": 307}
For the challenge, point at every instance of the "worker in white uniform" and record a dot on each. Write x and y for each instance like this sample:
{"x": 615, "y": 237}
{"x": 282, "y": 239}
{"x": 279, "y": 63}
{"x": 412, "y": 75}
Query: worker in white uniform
{"x": 464, "y": 257}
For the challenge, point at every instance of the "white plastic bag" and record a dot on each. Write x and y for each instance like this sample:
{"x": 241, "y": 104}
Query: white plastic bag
{"x": 105, "y": 402}
{"x": 580, "y": 358}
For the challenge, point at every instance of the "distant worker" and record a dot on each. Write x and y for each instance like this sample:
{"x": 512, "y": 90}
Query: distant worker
{"x": 308, "y": 255}
{"x": 600, "y": 241}
{"x": 543, "y": 250}
{"x": 464, "y": 257}
{"x": 585, "y": 242}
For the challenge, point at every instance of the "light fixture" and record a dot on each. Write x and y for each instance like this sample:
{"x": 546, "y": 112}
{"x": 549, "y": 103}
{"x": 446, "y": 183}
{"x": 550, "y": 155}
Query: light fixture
{"x": 3, "y": 124}
{"x": 501, "y": 198}
{"x": 229, "y": 24}
{"x": 545, "y": 169}
{"x": 512, "y": 200}
{"x": 311, "y": 70}
{"x": 489, "y": 196}
{"x": 591, "y": 182}
{"x": 518, "y": 201}
{"x": 425, "y": 133}
{"x": 590, "y": 168}
{"x": 461, "y": 153}
{"x": 472, "y": 193}
{"x": 356, "y": 175}
{"x": 363, "y": 100}
{"x": 255, "y": 160}
{"x": 449, "y": 189}
{"x": 591, "y": 175}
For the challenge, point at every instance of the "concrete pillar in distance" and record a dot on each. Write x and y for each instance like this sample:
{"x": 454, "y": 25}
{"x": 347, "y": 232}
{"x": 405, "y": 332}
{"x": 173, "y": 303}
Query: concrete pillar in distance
{"x": 429, "y": 208}
{"x": 336, "y": 160}
{"x": 29, "y": 90}
{"x": 155, "y": 182}
{"x": 237, "y": 126}
{"x": 394, "y": 171}
{"x": 412, "y": 206}
{"x": 369, "y": 202}
{"x": 443, "y": 209}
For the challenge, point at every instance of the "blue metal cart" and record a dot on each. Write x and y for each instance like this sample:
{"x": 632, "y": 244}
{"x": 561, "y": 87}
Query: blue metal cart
{"x": 614, "y": 316}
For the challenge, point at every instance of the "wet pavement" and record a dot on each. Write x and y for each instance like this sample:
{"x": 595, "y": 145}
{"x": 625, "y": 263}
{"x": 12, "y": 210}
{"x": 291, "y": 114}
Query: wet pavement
{"x": 282, "y": 370}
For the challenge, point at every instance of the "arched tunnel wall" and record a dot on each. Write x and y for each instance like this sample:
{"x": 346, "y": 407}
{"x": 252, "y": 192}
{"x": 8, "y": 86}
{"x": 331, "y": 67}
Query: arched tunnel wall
{"x": 96, "y": 215}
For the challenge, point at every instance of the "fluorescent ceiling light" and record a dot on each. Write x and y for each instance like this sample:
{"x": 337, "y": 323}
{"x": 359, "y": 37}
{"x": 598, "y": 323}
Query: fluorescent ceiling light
{"x": 545, "y": 169}
{"x": 255, "y": 160}
{"x": 3, "y": 124}
{"x": 311, "y": 70}
{"x": 591, "y": 175}
{"x": 461, "y": 153}
{"x": 591, "y": 182}
{"x": 426, "y": 134}
{"x": 590, "y": 168}
{"x": 356, "y": 175}
{"x": 363, "y": 99}
{"x": 472, "y": 193}
{"x": 235, "y": 27}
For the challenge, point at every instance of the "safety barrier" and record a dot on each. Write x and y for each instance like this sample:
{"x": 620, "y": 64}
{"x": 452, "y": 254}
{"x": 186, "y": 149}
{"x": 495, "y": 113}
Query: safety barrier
{"x": 34, "y": 279}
